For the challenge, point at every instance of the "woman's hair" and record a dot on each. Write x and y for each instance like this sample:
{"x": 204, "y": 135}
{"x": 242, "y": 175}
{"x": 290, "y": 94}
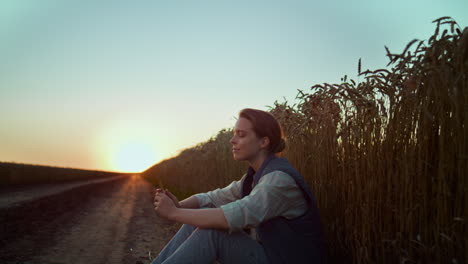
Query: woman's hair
{"x": 265, "y": 125}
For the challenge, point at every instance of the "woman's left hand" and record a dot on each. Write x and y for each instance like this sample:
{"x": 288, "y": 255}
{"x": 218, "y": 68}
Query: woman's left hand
{"x": 163, "y": 205}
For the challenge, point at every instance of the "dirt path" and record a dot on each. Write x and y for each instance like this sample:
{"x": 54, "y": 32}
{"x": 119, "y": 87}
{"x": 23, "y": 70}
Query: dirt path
{"x": 18, "y": 195}
{"x": 108, "y": 222}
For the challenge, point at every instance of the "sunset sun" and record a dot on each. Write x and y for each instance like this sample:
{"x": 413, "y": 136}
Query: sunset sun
{"x": 133, "y": 156}
{"x": 127, "y": 144}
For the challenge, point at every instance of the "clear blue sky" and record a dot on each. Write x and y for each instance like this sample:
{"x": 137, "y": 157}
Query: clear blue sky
{"x": 88, "y": 84}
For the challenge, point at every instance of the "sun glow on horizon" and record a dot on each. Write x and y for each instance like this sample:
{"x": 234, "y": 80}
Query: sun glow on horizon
{"x": 127, "y": 145}
{"x": 133, "y": 156}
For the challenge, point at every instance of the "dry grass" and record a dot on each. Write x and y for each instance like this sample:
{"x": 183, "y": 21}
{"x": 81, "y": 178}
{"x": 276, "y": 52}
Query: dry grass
{"x": 386, "y": 157}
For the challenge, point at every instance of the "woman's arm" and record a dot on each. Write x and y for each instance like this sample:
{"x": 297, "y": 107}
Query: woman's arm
{"x": 218, "y": 197}
{"x": 203, "y": 218}
{"x": 214, "y": 198}
{"x": 191, "y": 202}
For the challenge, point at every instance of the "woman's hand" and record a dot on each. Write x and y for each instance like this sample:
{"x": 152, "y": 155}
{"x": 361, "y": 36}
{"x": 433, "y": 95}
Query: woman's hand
{"x": 164, "y": 205}
{"x": 173, "y": 198}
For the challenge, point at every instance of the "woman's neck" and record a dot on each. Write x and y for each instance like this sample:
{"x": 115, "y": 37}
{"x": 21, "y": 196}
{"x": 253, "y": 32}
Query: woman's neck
{"x": 257, "y": 161}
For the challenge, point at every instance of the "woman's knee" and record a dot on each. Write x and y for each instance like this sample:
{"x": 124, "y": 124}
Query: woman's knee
{"x": 187, "y": 228}
{"x": 211, "y": 234}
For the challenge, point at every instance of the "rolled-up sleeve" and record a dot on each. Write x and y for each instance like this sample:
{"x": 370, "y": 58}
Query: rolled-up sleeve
{"x": 219, "y": 197}
{"x": 276, "y": 194}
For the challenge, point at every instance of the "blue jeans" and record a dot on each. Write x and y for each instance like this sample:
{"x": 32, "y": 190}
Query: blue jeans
{"x": 195, "y": 245}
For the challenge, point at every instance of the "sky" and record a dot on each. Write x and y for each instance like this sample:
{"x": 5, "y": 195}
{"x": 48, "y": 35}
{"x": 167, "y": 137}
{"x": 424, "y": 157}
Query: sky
{"x": 122, "y": 85}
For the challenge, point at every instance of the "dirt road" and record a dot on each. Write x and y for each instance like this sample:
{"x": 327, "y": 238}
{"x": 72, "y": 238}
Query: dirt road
{"x": 104, "y": 222}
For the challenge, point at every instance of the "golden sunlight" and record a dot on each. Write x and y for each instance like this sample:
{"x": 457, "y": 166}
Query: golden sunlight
{"x": 133, "y": 156}
{"x": 127, "y": 145}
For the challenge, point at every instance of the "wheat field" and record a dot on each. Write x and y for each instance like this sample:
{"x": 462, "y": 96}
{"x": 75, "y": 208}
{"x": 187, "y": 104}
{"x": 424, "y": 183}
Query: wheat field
{"x": 386, "y": 157}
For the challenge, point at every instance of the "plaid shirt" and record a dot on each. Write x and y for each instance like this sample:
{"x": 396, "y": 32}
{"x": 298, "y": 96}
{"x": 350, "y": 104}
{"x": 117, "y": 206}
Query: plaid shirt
{"x": 276, "y": 194}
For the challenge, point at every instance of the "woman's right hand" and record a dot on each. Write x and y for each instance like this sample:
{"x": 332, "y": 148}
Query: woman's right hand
{"x": 170, "y": 195}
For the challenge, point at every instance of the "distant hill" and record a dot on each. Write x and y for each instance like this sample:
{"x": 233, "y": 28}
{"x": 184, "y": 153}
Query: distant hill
{"x": 18, "y": 174}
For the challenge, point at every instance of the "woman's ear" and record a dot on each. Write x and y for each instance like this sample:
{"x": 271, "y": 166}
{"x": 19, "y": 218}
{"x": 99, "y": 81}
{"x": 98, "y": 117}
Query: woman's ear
{"x": 265, "y": 142}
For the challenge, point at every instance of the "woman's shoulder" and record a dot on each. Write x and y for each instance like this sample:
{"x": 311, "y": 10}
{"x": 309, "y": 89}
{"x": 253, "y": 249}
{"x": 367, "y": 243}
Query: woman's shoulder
{"x": 277, "y": 177}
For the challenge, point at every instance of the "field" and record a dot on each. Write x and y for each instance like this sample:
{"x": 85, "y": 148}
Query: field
{"x": 20, "y": 174}
{"x": 386, "y": 157}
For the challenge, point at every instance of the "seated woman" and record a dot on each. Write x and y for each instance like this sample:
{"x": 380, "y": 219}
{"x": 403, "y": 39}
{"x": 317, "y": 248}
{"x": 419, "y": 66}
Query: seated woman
{"x": 268, "y": 216}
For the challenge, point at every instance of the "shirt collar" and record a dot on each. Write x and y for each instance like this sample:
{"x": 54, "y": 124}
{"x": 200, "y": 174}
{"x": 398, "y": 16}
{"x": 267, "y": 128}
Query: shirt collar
{"x": 257, "y": 174}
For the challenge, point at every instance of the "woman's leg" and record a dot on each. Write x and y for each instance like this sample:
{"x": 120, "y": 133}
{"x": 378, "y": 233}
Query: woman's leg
{"x": 184, "y": 232}
{"x": 207, "y": 245}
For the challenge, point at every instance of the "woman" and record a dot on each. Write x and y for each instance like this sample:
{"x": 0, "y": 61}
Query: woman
{"x": 268, "y": 216}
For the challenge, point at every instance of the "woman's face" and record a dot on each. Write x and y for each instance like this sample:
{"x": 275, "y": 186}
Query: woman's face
{"x": 245, "y": 143}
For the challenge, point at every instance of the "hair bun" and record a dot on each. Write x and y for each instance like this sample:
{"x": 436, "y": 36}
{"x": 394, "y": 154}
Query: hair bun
{"x": 280, "y": 146}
